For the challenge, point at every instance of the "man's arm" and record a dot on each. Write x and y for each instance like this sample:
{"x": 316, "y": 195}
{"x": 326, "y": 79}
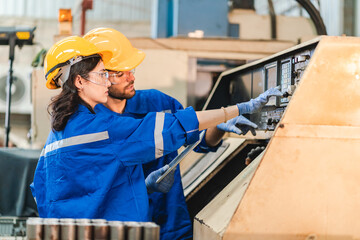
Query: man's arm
{"x": 213, "y": 136}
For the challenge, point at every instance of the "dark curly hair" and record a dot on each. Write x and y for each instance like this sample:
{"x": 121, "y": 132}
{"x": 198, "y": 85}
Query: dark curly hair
{"x": 66, "y": 103}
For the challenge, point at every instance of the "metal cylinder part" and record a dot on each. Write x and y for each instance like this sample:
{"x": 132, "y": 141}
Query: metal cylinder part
{"x": 82, "y": 220}
{"x": 98, "y": 220}
{"x": 151, "y": 231}
{"x": 67, "y": 229}
{"x": 117, "y": 230}
{"x": 34, "y": 228}
{"x": 67, "y": 220}
{"x": 101, "y": 231}
{"x": 89, "y": 229}
{"x": 133, "y": 230}
{"x": 84, "y": 231}
{"x": 51, "y": 229}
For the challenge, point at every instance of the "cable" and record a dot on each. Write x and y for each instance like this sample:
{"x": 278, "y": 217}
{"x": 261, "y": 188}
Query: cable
{"x": 314, "y": 15}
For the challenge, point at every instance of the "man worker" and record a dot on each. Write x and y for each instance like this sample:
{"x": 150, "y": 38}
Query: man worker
{"x": 169, "y": 209}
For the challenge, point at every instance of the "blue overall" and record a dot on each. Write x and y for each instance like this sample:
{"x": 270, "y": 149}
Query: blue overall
{"x": 93, "y": 168}
{"x": 168, "y": 210}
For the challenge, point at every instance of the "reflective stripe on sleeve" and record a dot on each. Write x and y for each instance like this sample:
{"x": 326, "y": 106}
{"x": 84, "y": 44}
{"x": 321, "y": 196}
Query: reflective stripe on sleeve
{"x": 159, "y": 141}
{"x": 194, "y": 130}
{"x": 77, "y": 140}
{"x": 42, "y": 153}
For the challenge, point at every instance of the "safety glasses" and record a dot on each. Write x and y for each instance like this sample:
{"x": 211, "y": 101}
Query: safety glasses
{"x": 113, "y": 76}
{"x": 100, "y": 78}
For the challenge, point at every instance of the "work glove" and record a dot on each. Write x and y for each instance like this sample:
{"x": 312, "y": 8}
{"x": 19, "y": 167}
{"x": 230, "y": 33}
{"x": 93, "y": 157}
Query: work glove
{"x": 255, "y": 105}
{"x": 165, "y": 185}
{"x": 238, "y": 125}
{"x": 254, "y": 153}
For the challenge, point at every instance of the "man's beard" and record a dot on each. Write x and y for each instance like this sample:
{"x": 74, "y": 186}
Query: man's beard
{"x": 113, "y": 93}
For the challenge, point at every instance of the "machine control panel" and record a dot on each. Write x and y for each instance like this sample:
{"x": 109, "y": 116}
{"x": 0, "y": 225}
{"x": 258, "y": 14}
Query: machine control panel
{"x": 290, "y": 71}
{"x": 283, "y": 70}
{"x": 270, "y": 118}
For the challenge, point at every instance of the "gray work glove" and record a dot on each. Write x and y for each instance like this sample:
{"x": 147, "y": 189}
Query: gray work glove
{"x": 255, "y": 105}
{"x": 165, "y": 185}
{"x": 238, "y": 125}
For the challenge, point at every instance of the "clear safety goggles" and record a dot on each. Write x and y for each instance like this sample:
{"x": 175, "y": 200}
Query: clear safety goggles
{"x": 99, "y": 78}
{"x": 113, "y": 76}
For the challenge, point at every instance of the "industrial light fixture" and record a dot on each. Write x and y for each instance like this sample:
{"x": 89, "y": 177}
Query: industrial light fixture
{"x": 65, "y": 21}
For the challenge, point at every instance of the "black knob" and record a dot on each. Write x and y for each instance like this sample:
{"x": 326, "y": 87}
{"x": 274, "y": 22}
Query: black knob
{"x": 269, "y": 121}
{"x": 275, "y": 120}
{"x": 286, "y": 94}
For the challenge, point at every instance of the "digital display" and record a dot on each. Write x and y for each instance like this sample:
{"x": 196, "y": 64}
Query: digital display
{"x": 271, "y": 80}
{"x": 257, "y": 83}
{"x": 271, "y": 77}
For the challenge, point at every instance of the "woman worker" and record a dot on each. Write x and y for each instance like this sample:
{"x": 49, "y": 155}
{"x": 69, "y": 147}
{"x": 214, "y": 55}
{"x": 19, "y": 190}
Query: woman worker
{"x": 91, "y": 164}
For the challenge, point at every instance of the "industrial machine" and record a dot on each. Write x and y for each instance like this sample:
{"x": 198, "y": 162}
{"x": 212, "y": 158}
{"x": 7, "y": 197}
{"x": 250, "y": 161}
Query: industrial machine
{"x": 207, "y": 174}
{"x": 303, "y": 185}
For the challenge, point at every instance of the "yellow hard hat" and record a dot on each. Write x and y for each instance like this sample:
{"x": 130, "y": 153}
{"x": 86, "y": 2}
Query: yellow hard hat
{"x": 67, "y": 52}
{"x": 125, "y": 56}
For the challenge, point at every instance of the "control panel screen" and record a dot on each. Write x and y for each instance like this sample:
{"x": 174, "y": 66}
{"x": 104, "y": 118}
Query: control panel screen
{"x": 271, "y": 80}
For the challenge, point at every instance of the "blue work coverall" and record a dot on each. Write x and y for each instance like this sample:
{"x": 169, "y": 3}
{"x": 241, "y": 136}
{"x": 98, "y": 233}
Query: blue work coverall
{"x": 93, "y": 168}
{"x": 168, "y": 210}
